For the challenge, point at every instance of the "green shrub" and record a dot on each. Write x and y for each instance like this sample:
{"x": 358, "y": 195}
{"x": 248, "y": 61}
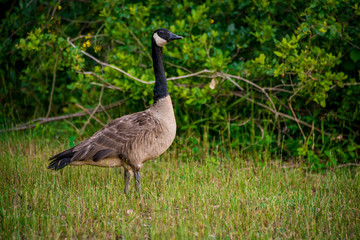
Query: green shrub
{"x": 304, "y": 54}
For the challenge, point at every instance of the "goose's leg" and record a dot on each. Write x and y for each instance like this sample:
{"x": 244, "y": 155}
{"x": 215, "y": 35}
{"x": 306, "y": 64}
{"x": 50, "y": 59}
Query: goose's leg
{"x": 137, "y": 181}
{"x": 127, "y": 176}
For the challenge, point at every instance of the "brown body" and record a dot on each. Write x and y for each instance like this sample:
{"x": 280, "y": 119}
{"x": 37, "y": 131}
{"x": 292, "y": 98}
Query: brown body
{"x": 131, "y": 140}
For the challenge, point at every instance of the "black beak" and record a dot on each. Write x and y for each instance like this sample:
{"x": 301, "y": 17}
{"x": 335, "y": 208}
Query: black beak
{"x": 174, "y": 36}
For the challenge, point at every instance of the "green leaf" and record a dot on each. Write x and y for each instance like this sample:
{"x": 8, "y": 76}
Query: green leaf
{"x": 261, "y": 59}
{"x": 279, "y": 54}
{"x": 355, "y": 55}
{"x": 323, "y": 103}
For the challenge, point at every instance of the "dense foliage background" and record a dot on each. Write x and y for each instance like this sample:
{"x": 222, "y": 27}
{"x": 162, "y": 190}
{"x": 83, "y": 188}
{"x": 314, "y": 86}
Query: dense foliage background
{"x": 271, "y": 64}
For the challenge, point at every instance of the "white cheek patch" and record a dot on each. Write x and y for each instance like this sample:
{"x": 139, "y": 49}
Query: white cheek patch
{"x": 159, "y": 41}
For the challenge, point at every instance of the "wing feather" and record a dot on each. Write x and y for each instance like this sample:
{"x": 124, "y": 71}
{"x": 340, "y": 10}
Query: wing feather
{"x": 119, "y": 137}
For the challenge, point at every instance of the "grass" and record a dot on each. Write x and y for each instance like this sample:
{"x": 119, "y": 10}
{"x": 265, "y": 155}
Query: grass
{"x": 182, "y": 199}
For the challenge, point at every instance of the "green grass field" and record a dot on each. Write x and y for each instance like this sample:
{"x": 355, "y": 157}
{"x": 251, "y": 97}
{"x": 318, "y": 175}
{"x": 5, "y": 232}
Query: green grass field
{"x": 182, "y": 199}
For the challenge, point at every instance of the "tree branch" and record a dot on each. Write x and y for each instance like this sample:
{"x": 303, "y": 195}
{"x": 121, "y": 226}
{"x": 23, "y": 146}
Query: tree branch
{"x": 106, "y": 84}
{"x": 129, "y": 75}
{"x": 256, "y": 86}
{"x": 108, "y": 65}
{"x": 281, "y": 114}
{"x": 40, "y": 121}
{"x": 188, "y": 75}
{"x": 52, "y": 88}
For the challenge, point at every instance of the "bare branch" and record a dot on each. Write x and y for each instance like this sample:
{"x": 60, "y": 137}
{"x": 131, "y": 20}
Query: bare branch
{"x": 242, "y": 123}
{"x": 346, "y": 84}
{"x": 233, "y": 82}
{"x": 355, "y": 46}
{"x": 108, "y": 65}
{"x": 152, "y": 82}
{"x": 109, "y": 86}
{"x": 52, "y": 88}
{"x": 55, "y": 8}
{"x": 275, "y": 89}
{"x": 293, "y": 113}
{"x": 265, "y": 93}
{"x": 96, "y": 108}
{"x": 129, "y": 75}
{"x": 180, "y": 67}
{"x": 88, "y": 36}
{"x": 81, "y": 21}
{"x": 73, "y": 125}
{"x": 261, "y": 130}
{"x": 303, "y": 167}
{"x": 281, "y": 114}
{"x": 106, "y": 84}
{"x": 91, "y": 115}
{"x": 348, "y": 165}
{"x": 138, "y": 41}
{"x": 261, "y": 138}
{"x": 188, "y": 75}
{"x": 256, "y": 86}
{"x": 40, "y": 121}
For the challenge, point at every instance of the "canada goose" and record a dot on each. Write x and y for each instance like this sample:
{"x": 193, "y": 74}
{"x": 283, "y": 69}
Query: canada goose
{"x": 131, "y": 140}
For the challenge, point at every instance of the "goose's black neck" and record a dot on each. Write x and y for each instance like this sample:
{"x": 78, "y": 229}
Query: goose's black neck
{"x": 161, "y": 88}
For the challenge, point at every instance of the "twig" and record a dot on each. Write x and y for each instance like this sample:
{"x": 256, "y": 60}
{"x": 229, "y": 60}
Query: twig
{"x": 91, "y": 115}
{"x": 348, "y": 165}
{"x": 55, "y": 8}
{"x": 346, "y": 84}
{"x": 284, "y": 85}
{"x": 355, "y": 46}
{"x": 81, "y": 21}
{"x": 108, "y": 65}
{"x": 261, "y": 130}
{"x": 256, "y": 86}
{"x": 277, "y": 89}
{"x": 96, "y": 108}
{"x": 180, "y": 67}
{"x": 300, "y": 167}
{"x": 152, "y": 82}
{"x": 233, "y": 82}
{"x": 129, "y": 75}
{"x": 262, "y": 137}
{"x": 93, "y": 112}
{"x": 52, "y": 88}
{"x": 73, "y": 125}
{"x": 293, "y": 113}
{"x": 40, "y": 121}
{"x": 268, "y": 97}
{"x": 88, "y": 36}
{"x": 188, "y": 75}
{"x": 243, "y": 122}
{"x": 208, "y": 53}
{"x": 27, "y": 5}
{"x": 294, "y": 166}
{"x": 215, "y": 74}
{"x": 106, "y": 84}
{"x": 281, "y": 114}
{"x": 138, "y": 41}
{"x": 109, "y": 86}
{"x": 107, "y": 114}
{"x": 237, "y": 52}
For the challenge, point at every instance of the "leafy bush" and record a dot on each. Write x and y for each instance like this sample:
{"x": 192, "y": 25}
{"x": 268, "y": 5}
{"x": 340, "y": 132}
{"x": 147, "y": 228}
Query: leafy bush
{"x": 272, "y": 64}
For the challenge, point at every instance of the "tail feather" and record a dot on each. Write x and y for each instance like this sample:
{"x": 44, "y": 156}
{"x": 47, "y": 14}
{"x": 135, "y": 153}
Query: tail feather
{"x": 66, "y": 153}
{"x": 61, "y": 160}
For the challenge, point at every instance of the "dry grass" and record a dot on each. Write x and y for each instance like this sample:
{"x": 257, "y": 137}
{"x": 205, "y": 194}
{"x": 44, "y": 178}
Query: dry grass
{"x": 182, "y": 199}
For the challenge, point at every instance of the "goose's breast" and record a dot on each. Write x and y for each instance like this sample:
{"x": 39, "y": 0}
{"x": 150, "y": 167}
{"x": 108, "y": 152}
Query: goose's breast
{"x": 155, "y": 142}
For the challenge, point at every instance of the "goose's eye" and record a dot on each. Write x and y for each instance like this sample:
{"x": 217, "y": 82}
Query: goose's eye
{"x": 161, "y": 32}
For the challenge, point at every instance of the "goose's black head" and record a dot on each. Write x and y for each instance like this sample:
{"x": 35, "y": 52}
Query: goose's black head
{"x": 162, "y": 36}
